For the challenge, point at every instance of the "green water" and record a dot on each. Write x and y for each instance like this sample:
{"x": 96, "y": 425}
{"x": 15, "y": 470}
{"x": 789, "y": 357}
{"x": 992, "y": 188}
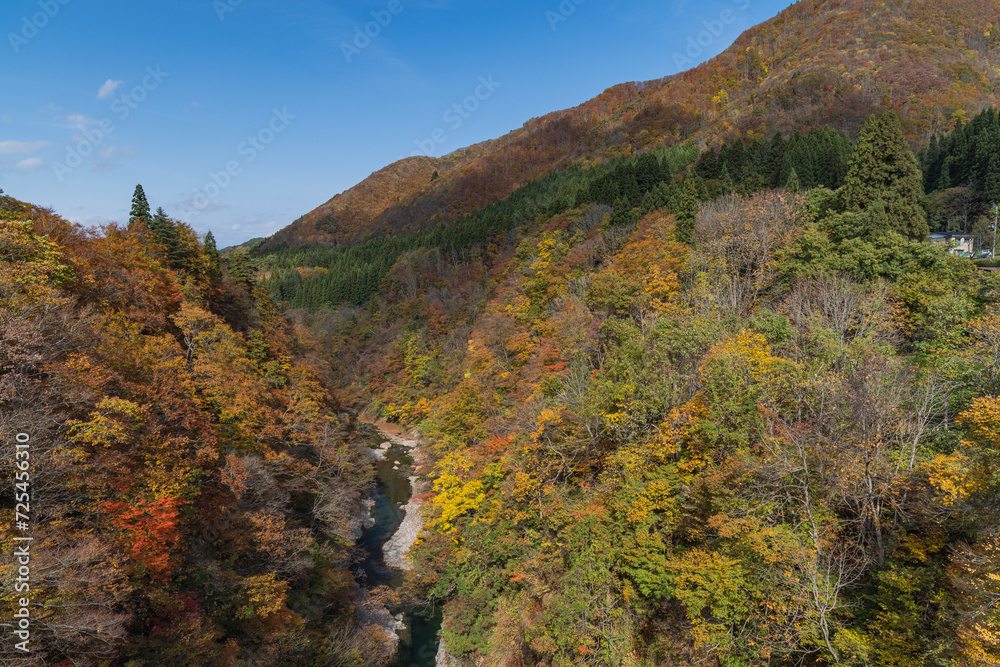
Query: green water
{"x": 418, "y": 642}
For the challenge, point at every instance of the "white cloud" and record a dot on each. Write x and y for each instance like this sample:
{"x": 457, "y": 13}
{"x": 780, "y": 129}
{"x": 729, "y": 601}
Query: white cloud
{"x": 22, "y": 147}
{"x": 30, "y": 163}
{"x": 108, "y": 89}
{"x": 82, "y": 121}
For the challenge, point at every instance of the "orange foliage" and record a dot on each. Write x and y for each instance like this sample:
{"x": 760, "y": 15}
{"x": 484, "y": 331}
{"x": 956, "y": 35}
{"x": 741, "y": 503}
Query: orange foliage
{"x": 151, "y": 528}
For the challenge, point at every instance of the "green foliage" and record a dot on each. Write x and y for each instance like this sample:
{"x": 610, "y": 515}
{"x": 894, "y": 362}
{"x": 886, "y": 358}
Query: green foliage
{"x": 610, "y": 293}
{"x": 818, "y": 159}
{"x": 776, "y": 328}
{"x": 882, "y": 169}
{"x": 212, "y": 253}
{"x": 906, "y": 623}
{"x": 940, "y": 298}
{"x": 732, "y": 481}
{"x": 140, "y": 208}
{"x": 793, "y": 184}
{"x": 690, "y": 200}
{"x": 167, "y": 232}
{"x": 625, "y": 462}
{"x": 967, "y": 162}
{"x": 354, "y": 274}
{"x": 241, "y": 267}
{"x": 873, "y": 227}
{"x": 631, "y": 186}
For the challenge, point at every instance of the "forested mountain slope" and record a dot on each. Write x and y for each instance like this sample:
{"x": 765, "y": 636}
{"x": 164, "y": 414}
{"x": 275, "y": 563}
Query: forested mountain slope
{"x": 191, "y": 496}
{"x": 819, "y": 63}
{"x": 696, "y": 392}
{"x": 762, "y": 430}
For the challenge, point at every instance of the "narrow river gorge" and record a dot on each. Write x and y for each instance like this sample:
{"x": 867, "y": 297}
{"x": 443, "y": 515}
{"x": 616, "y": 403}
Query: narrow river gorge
{"x": 398, "y": 519}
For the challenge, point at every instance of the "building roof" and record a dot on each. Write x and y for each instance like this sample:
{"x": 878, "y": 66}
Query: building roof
{"x": 949, "y": 235}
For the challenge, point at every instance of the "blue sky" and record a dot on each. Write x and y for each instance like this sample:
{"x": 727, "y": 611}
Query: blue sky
{"x": 241, "y": 115}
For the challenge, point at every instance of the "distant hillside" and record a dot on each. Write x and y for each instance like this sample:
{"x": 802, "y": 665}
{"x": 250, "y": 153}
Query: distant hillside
{"x": 818, "y": 63}
{"x": 246, "y": 245}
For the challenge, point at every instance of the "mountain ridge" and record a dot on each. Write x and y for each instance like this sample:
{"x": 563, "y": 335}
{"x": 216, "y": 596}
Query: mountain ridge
{"x": 817, "y": 63}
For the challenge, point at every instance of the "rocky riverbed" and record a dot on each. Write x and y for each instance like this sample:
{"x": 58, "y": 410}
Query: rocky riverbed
{"x": 400, "y": 464}
{"x": 396, "y": 550}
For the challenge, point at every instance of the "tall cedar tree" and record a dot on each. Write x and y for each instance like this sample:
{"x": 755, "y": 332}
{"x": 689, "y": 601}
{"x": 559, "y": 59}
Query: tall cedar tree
{"x": 165, "y": 233}
{"x": 140, "y": 208}
{"x": 690, "y": 202}
{"x": 883, "y": 167}
{"x": 240, "y": 267}
{"x": 212, "y": 252}
{"x": 726, "y": 185}
{"x": 792, "y": 184}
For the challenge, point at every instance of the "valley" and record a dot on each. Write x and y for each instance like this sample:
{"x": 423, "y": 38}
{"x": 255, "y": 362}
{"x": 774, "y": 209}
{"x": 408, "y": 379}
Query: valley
{"x": 672, "y": 377}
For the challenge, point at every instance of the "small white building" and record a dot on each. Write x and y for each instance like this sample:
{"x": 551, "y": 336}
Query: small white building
{"x": 958, "y": 244}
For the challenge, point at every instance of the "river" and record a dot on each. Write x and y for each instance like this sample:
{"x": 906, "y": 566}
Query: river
{"x": 419, "y": 640}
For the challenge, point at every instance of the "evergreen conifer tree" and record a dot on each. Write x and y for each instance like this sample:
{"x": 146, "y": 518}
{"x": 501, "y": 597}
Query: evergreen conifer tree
{"x": 709, "y": 165}
{"x": 620, "y": 211}
{"x": 240, "y": 267}
{"x": 726, "y": 185}
{"x": 793, "y": 185}
{"x": 212, "y": 252}
{"x": 140, "y": 208}
{"x": 647, "y": 171}
{"x": 161, "y": 226}
{"x": 882, "y": 167}
{"x": 774, "y": 161}
{"x": 944, "y": 177}
{"x": 650, "y": 202}
{"x": 991, "y": 184}
{"x": 165, "y": 233}
{"x": 957, "y": 149}
{"x": 690, "y": 201}
{"x": 734, "y": 159}
{"x": 805, "y": 162}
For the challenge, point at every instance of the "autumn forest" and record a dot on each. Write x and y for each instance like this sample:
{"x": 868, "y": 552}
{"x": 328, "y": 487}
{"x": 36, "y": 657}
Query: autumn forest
{"x": 689, "y": 382}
